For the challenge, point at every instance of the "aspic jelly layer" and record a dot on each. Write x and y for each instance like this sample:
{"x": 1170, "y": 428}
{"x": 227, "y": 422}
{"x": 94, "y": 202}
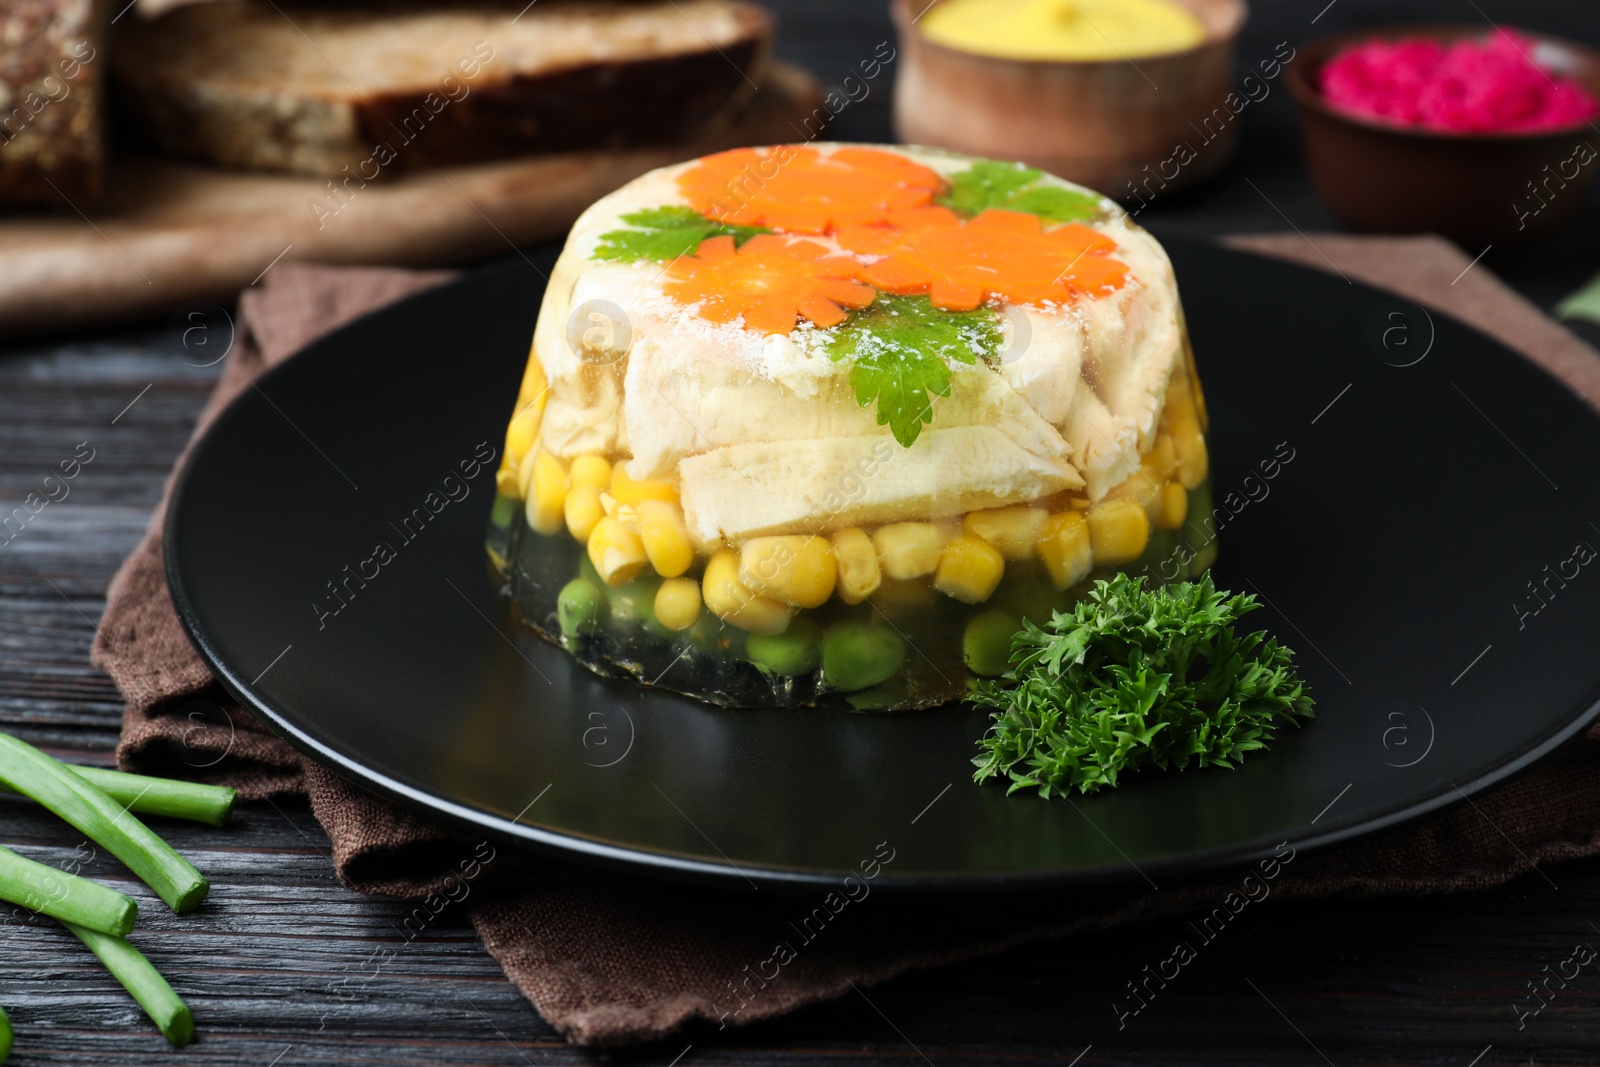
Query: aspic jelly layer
{"x": 901, "y": 615}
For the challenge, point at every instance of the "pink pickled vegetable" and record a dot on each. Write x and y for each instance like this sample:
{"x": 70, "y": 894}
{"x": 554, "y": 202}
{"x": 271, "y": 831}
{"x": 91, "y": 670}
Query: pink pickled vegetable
{"x": 1490, "y": 85}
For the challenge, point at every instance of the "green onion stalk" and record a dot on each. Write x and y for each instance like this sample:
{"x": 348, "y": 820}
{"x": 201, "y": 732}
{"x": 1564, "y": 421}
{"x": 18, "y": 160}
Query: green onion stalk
{"x": 128, "y": 965}
{"x": 88, "y": 808}
{"x": 64, "y": 896}
{"x": 210, "y": 804}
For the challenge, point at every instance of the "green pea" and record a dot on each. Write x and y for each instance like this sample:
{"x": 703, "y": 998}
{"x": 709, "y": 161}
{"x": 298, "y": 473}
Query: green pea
{"x": 790, "y": 653}
{"x": 634, "y": 601}
{"x": 986, "y": 645}
{"x": 578, "y": 606}
{"x": 504, "y": 508}
{"x": 713, "y": 638}
{"x": 856, "y": 655}
{"x": 881, "y": 697}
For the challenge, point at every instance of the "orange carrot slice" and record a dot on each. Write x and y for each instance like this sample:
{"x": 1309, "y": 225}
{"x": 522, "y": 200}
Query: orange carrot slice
{"x": 769, "y": 283}
{"x": 801, "y": 190}
{"x": 1004, "y": 255}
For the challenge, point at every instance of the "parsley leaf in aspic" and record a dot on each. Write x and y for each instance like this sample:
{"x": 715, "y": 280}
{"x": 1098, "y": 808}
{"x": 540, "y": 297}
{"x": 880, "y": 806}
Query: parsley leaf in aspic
{"x": 989, "y": 183}
{"x": 1134, "y": 677}
{"x": 901, "y": 348}
{"x": 663, "y": 233}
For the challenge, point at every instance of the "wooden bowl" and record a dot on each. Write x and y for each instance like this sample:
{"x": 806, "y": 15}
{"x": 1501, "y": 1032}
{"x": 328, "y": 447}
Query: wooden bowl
{"x": 1476, "y": 188}
{"x": 1101, "y": 123}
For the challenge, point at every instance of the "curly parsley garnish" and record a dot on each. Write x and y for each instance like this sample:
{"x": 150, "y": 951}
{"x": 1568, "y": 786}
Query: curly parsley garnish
{"x": 902, "y": 347}
{"x": 990, "y": 183}
{"x": 663, "y": 233}
{"x": 1134, "y": 677}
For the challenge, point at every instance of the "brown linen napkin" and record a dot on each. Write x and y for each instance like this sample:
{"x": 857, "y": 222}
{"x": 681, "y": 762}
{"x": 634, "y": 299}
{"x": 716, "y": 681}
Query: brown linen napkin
{"x": 609, "y": 959}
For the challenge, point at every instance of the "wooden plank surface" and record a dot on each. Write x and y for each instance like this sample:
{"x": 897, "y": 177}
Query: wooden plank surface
{"x": 171, "y": 231}
{"x": 277, "y": 965}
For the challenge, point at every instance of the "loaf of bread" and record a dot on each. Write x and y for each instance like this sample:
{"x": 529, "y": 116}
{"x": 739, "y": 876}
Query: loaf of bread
{"x": 52, "y": 109}
{"x": 368, "y": 90}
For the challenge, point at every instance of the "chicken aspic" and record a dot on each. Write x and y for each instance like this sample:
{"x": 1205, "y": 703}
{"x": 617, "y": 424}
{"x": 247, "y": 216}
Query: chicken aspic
{"x": 824, "y": 423}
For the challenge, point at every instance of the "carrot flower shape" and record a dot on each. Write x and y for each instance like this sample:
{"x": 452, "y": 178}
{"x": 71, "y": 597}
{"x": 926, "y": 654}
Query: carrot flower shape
{"x": 797, "y": 189}
{"x": 999, "y": 254}
{"x": 768, "y": 281}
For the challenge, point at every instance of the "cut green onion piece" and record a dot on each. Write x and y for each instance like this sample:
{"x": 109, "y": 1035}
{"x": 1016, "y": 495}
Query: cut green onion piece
{"x": 5, "y": 1036}
{"x": 160, "y": 796}
{"x": 128, "y": 965}
{"x": 64, "y": 896}
{"x": 33, "y": 774}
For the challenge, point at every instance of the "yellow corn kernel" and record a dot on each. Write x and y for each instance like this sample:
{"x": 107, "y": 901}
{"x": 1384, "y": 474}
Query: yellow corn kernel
{"x": 534, "y": 389}
{"x": 524, "y": 473}
{"x": 665, "y": 536}
{"x": 1162, "y": 459}
{"x": 505, "y": 482}
{"x": 1180, "y": 399}
{"x": 1118, "y": 531}
{"x": 859, "y": 576}
{"x": 546, "y": 503}
{"x": 1146, "y": 486}
{"x": 1014, "y": 530}
{"x": 736, "y": 605}
{"x": 797, "y": 569}
{"x": 520, "y": 434}
{"x": 583, "y": 510}
{"x": 1143, "y": 486}
{"x": 591, "y": 470}
{"x": 628, "y": 491}
{"x": 1192, "y": 458}
{"x": 1065, "y": 549}
{"x": 1174, "y": 507}
{"x": 969, "y": 569}
{"x": 909, "y": 549}
{"x": 616, "y": 553}
{"x": 678, "y": 603}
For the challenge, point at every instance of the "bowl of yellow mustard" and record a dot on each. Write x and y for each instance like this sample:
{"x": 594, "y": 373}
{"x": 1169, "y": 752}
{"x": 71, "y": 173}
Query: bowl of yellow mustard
{"x": 1132, "y": 98}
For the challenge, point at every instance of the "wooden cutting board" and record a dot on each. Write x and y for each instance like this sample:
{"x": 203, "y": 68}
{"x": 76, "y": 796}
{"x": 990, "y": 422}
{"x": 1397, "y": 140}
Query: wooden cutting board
{"x": 173, "y": 231}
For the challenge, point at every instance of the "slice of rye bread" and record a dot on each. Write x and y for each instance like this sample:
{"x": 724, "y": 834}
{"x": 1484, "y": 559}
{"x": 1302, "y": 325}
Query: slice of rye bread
{"x": 52, "y": 108}
{"x": 378, "y": 88}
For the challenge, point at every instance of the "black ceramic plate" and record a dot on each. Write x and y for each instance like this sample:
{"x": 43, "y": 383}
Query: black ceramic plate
{"x": 1390, "y": 485}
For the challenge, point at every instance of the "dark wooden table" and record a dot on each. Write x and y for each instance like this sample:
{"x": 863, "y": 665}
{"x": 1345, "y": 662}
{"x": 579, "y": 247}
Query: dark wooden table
{"x": 1341, "y": 982}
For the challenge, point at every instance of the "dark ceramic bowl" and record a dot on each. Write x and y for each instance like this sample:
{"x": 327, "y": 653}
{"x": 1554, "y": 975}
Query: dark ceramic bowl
{"x": 1111, "y": 124}
{"x": 1376, "y": 177}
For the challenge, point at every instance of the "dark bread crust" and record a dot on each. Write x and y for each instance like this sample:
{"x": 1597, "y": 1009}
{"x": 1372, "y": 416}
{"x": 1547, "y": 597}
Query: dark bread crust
{"x": 52, "y": 108}
{"x": 583, "y": 103}
{"x": 597, "y": 105}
